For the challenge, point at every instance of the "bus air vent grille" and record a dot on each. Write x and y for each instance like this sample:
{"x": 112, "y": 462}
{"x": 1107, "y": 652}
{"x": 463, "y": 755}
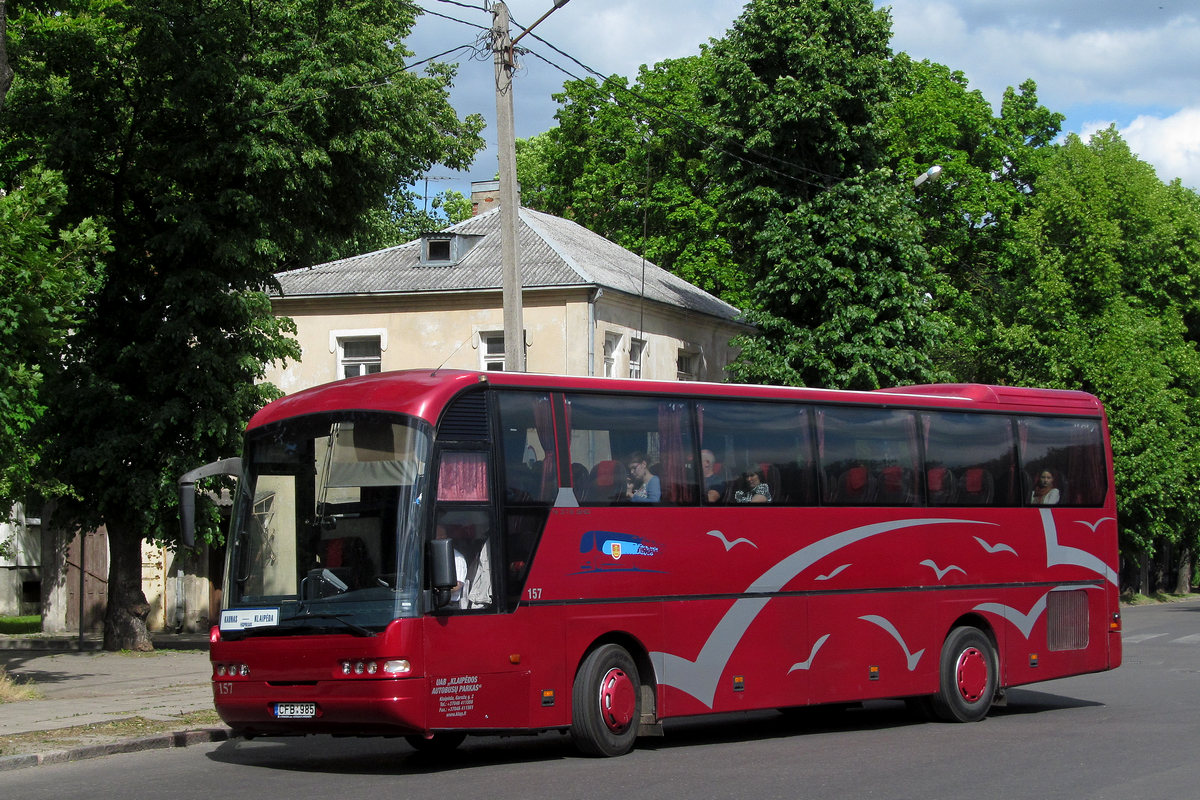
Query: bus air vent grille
{"x": 466, "y": 419}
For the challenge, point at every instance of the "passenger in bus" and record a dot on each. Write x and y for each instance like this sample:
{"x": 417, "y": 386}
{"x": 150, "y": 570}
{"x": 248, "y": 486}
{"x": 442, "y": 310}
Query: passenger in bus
{"x": 460, "y": 570}
{"x": 479, "y": 579}
{"x": 757, "y": 490}
{"x": 1044, "y": 491}
{"x": 643, "y": 486}
{"x": 714, "y": 484}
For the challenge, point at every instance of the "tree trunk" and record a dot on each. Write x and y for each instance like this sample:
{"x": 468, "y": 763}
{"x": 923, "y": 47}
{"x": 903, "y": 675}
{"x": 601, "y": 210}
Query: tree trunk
{"x": 1183, "y": 580}
{"x": 6, "y": 73}
{"x": 125, "y": 621}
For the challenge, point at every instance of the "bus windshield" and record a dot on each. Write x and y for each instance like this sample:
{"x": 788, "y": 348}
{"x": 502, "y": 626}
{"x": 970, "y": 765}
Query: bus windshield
{"x": 326, "y": 532}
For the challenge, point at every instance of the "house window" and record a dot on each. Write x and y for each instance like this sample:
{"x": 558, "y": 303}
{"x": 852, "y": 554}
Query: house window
{"x": 492, "y": 351}
{"x": 359, "y": 356}
{"x": 687, "y": 365}
{"x": 612, "y": 343}
{"x": 637, "y": 349}
{"x": 437, "y": 249}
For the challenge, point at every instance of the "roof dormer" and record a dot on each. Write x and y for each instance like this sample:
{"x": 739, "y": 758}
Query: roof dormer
{"x": 445, "y": 249}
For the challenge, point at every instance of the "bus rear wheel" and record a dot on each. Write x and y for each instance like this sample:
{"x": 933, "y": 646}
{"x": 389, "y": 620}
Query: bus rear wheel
{"x": 968, "y": 676}
{"x": 606, "y": 702}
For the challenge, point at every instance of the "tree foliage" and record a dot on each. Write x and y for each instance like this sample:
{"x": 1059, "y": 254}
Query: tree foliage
{"x": 219, "y": 144}
{"x": 45, "y": 276}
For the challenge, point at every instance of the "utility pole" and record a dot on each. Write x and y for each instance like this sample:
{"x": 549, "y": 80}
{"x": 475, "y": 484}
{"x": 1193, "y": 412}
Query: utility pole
{"x": 510, "y": 197}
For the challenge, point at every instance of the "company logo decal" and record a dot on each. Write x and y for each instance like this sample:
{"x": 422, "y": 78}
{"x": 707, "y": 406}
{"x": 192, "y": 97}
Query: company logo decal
{"x": 617, "y": 552}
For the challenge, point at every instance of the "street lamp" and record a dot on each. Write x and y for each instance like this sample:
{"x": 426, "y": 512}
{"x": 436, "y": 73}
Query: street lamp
{"x": 931, "y": 174}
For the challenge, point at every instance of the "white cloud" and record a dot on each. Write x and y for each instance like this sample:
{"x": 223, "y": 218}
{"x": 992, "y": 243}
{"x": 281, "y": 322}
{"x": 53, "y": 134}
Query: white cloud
{"x": 1171, "y": 144}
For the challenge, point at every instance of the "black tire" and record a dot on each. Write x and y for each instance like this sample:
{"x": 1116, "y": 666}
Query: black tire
{"x": 606, "y": 702}
{"x": 442, "y": 742}
{"x": 967, "y": 676}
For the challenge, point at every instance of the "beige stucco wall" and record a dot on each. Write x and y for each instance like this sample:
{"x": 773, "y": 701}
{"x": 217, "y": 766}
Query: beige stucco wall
{"x": 443, "y": 330}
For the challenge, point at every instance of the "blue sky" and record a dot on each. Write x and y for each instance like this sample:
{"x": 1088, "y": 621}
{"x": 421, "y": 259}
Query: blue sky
{"x": 1132, "y": 63}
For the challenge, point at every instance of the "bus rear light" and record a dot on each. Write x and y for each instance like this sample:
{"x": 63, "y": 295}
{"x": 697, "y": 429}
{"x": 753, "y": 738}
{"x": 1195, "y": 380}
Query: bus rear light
{"x": 1115, "y": 625}
{"x": 397, "y": 667}
{"x": 214, "y": 635}
{"x": 365, "y": 667}
{"x": 232, "y": 670}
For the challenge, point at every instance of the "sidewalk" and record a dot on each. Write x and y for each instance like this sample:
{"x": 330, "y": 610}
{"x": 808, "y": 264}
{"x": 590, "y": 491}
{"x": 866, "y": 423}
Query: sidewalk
{"x": 84, "y": 686}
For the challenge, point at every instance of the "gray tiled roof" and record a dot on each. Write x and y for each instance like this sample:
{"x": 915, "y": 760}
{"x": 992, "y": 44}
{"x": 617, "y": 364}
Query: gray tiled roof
{"x": 554, "y": 252}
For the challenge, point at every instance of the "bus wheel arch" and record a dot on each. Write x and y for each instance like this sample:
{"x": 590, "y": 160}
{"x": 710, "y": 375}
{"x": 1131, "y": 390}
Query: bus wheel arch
{"x": 968, "y": 672}
{"x": 613, "y": 692}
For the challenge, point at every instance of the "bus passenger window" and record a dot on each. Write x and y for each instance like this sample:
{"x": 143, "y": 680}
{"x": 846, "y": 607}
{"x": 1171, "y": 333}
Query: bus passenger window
{"x": 868, "y": 456}
{"x": 1062, "y": 461}
{"x": 634, "y": 450}
{"x": 970, "y": 459}
{"x": 756, "y": 442}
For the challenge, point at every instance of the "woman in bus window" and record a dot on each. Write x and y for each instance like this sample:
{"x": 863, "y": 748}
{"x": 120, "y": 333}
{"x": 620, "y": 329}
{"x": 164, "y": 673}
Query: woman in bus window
{"x": 756, "y": 491}
{"x": 643, "y": 486}
{"x": 1044, "y": 491}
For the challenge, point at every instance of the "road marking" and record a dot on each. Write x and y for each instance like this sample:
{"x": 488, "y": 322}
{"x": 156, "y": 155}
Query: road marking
{"x": 1192, "y": 639}
{"x": 1141, "y": 637}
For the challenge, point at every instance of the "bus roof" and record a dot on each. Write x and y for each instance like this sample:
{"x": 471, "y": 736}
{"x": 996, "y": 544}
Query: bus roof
{"x": 424, "y": 393}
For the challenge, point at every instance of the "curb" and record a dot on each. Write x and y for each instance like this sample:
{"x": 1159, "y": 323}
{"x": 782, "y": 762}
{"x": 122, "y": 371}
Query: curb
{"x": 162, "y": 741}
{"x": 65, "y": 644}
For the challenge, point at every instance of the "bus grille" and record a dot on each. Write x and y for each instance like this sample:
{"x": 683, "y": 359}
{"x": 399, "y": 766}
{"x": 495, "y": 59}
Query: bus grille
{"x": 1067, "y": 620}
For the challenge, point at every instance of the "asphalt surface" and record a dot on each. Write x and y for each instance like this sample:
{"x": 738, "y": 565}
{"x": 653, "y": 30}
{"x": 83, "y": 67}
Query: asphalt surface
{"x": 82, "y": 685}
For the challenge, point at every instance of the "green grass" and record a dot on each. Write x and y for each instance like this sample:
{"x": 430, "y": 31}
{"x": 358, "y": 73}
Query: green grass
{"x": 12, "y": 625}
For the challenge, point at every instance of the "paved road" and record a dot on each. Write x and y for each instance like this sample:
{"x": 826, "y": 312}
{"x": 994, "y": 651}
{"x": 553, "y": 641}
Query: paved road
{"x": 1128, "y": 735}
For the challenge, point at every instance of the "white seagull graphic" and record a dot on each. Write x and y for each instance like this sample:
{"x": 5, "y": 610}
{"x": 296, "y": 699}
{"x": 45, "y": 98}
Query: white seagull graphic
{"x": 728, "y": 544}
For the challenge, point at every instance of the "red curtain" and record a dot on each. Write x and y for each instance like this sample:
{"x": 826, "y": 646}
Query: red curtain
{"x": 463, "y": 476}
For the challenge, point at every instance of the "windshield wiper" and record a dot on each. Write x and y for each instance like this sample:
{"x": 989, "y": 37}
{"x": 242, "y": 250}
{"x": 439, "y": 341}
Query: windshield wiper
{"x": 357, "y": 629}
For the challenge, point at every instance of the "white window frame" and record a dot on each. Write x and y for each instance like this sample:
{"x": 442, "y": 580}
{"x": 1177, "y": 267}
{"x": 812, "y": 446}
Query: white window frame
{"x": 489, "y": 358}
{"x": 612, "y": 346}
{"x": 637, "y": 356}
{"x": 687, "y": 364}
{"x": 337, "y": 346}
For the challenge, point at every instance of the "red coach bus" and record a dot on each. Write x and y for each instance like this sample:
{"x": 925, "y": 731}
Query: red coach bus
{"x": 436, "y": 554}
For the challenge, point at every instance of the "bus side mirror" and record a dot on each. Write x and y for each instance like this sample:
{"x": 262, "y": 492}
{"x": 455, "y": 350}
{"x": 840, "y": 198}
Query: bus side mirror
{"x": 187, "y": 494}
{"x": 443, "y": 576}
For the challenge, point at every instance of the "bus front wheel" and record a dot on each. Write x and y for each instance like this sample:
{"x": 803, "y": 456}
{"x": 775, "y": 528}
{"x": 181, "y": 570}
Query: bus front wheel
{"x": 606, "y": 702}
{"x": 967, "y": 676}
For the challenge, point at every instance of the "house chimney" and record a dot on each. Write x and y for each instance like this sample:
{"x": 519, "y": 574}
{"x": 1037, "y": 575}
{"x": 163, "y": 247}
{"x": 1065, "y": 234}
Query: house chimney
{"x": 485, "y": 195}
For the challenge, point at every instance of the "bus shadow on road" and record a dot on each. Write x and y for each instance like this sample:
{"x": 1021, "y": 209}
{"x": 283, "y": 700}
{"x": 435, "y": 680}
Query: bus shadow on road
{"x": 379, "y": 756}
{"x": 1028, "y": 701}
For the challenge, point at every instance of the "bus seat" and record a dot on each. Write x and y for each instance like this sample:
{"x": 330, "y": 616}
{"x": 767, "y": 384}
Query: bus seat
{"x": 977, "y": 487}
{"x": 942, "y": 486}
{"x": 607, "y": 481}
{"x": 855, "y": 485}
{"x": 895, "y": 486}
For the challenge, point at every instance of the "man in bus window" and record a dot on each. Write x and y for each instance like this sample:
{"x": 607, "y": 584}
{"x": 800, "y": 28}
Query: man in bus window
{"x": 714, "y": 484}
{"x": 643, "y": 486}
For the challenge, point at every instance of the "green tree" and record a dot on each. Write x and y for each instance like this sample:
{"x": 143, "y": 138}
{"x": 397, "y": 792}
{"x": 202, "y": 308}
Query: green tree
{"x": 45, "y": 276}
{"x": 842, "y": 291}
{"x": 219, "y": 143}
{"x": 1101, "y": 295}
{"x": 627, "y": 161}
{"x": 967, "y": 217}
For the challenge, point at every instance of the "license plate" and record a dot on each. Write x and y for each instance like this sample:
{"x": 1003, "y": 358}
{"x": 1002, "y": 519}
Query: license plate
{"x": 295, "y": 710}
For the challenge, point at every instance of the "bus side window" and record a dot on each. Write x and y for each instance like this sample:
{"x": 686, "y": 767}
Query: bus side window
{"x": 969, "y": 459}
{"x": 607, "y": 431}
{"x": 527, "y": 447}
{"x": 1062, "y": 461}
{"x": 770, "y": 440}
{"x": 868, "y": 456}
